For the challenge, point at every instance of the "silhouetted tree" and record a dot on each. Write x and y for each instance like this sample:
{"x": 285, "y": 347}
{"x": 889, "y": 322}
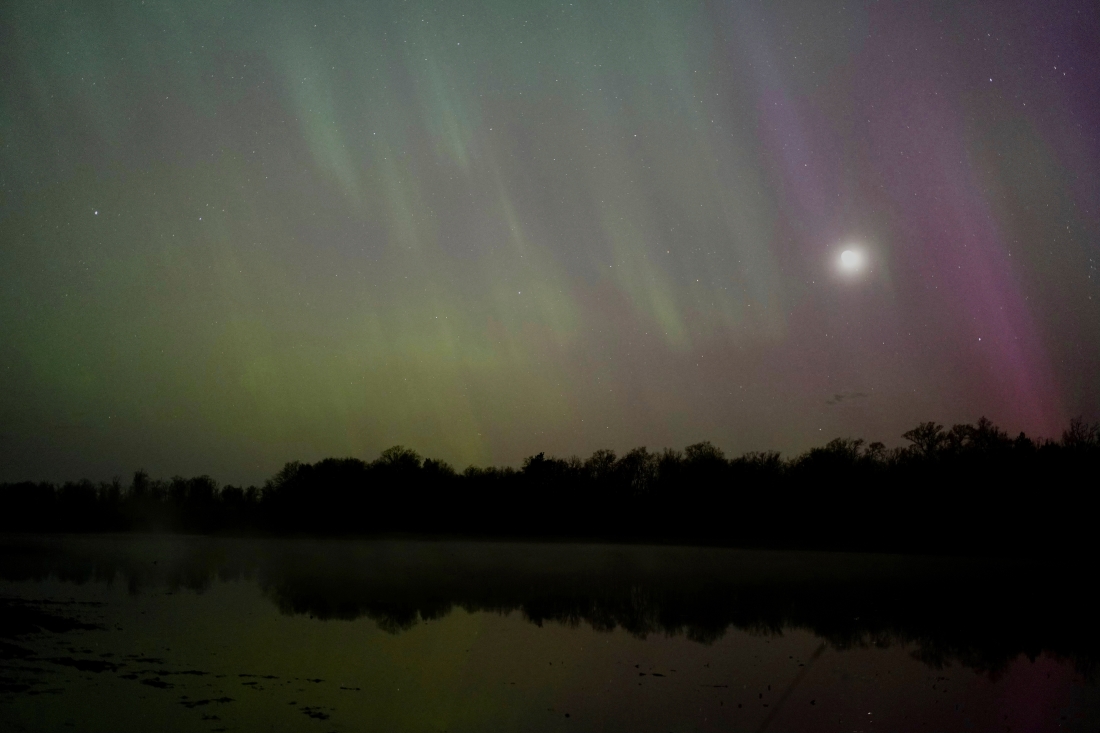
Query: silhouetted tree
{"x": 927, "y": 437}
{"x": 1081, "y": 434}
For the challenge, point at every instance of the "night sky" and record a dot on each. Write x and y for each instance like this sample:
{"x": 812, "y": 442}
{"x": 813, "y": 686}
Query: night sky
{"x": 234, "y": 234}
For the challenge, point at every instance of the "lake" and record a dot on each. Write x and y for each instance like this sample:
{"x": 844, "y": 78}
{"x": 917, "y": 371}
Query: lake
{"x": 139, "y": 633}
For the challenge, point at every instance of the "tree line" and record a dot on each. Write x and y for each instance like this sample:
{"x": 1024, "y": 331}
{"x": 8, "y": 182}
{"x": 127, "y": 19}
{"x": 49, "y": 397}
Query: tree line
{"x": 970, "y": 488}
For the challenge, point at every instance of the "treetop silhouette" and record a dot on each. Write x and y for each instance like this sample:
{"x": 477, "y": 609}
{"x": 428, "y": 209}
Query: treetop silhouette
{"x": 971, "y": 488}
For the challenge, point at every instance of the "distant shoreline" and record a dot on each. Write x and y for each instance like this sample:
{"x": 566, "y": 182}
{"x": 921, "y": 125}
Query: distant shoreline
{"x": 969, "y": 490}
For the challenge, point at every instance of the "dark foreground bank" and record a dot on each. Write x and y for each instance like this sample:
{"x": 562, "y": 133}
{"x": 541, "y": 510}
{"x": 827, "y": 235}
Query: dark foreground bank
{"x": 970, "y": 489}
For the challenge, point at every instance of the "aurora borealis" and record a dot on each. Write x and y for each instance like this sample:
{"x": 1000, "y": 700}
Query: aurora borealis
{"x": 234, "y": 234}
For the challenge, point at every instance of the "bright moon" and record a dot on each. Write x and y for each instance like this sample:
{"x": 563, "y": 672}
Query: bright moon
{"x": 851, "y": 260}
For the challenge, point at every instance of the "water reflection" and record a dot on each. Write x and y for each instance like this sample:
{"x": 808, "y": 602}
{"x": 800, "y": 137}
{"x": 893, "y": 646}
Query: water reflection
{"x": 982, "y": 613}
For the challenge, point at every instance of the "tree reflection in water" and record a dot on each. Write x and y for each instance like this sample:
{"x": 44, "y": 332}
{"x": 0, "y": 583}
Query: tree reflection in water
{"x": 982, "y": 613}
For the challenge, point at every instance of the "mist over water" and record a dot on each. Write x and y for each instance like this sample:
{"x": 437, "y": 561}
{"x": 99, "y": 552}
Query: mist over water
{"x": 195, "y": 633}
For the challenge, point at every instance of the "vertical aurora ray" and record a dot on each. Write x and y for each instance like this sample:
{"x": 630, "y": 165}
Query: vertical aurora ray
{"x": 489, "y": 230}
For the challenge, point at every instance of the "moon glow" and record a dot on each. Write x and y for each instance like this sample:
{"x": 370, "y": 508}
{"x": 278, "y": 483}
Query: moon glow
{"x": 851, "y": 260}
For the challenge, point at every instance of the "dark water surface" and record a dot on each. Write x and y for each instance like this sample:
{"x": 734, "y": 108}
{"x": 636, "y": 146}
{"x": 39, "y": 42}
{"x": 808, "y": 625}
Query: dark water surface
{"x": 120, "y": 633}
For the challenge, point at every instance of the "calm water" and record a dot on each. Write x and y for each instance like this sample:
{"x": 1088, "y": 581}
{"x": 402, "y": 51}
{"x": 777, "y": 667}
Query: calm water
{"x": 170, "y": 633}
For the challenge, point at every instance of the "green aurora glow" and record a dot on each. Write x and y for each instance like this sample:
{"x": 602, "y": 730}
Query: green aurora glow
{"x": 234, "y": 234}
